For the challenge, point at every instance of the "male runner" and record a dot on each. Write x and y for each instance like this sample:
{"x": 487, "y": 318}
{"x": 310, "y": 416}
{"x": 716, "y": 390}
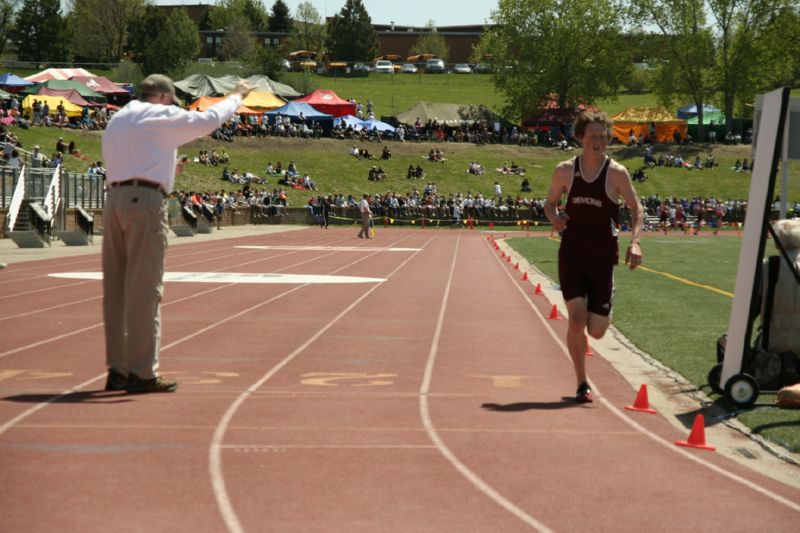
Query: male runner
{"x": 593, "y": 183}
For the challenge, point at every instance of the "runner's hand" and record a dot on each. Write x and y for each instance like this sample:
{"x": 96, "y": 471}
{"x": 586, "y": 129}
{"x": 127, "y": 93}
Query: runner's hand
{"x": 633, "y": 257}
{"x": 560, "y": 223}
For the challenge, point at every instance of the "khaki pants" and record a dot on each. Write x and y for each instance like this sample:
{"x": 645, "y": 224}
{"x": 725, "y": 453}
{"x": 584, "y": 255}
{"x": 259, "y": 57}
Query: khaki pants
{"x": 364, "y": 225}
{"x": 134, "y": 248}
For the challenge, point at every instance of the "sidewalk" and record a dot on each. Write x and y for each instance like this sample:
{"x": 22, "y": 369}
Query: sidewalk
{"x": 10, "y": 253}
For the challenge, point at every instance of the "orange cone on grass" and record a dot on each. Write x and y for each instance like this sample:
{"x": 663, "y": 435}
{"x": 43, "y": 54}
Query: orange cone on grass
{"x": 697, "y": 437}
{"x": 538, "y": 289}
{"x": 525, "y": 276}
{"x": 516, "y": 267}
{"x": 641, "y": 403}
{"x": 554, "y": 314}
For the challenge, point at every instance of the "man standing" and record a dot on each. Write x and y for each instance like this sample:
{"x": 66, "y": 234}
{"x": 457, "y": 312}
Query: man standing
{"x": 140, "y": 149}
{"x": 366, "y": 213}
{"x": 593, "y": 183}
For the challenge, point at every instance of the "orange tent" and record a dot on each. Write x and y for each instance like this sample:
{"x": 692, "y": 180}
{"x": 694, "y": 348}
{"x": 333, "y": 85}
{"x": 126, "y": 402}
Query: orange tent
{"x": 204, "y": 102}
{"x": 638, "y": 120}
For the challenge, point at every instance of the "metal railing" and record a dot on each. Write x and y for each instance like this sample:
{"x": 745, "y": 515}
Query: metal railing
{"x": 76, "y": 189}
{"x": 16, "y": 199}
{"x": 84, "y": 222}
{"x": 41, "y": 221}
{"x": 53, "y": 198}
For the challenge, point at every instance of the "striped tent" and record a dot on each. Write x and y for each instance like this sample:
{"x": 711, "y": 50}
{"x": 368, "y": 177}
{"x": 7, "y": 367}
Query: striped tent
{"x": 58, "y": 74}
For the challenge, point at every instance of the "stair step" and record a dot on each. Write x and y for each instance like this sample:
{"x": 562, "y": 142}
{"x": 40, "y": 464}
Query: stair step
{"x": 183, "y": 230}
{"x": 73, "y": 238}
{"x": 26, "y": 239}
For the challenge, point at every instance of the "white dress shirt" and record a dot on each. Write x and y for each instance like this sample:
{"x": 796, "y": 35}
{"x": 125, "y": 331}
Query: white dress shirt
{"x": 142, "y": 139}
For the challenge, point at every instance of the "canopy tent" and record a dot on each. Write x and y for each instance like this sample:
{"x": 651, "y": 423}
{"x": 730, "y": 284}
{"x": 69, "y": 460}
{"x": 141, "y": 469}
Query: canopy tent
{"x": 329, "y": 102}
{"x": 690, "y": 110}
{"x": 65, "y": 85}
{"x": 12, "y": 81}
{"x": 100, "y": 84}
{"x": 449, "y": 114}
{"x": 204, "y": 102}
{"x": 373, "y": 123}
{"x": 639, "y": 119}
{"x": 294, "y": 109}
{"x": 349, "y": 121}
{"x": 717, "y": 116}
{"x": 58, "y": 74}
{"x": 5, "y": 95}
{"x": 71, "y": 95}
{"x": 263, "y": 101}
{"x": 198, "y": 85}
{"x": 71, "y": 109}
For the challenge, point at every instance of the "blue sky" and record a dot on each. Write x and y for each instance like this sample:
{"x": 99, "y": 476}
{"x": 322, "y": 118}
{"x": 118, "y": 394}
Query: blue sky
{"x": 402, "y": 12}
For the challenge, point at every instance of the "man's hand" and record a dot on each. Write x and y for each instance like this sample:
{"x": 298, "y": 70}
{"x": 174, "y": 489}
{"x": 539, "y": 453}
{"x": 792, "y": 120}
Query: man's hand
{"x": 633, "y": 257}
{"x": 560, "y": 223}
{"x": 242, "y": 89}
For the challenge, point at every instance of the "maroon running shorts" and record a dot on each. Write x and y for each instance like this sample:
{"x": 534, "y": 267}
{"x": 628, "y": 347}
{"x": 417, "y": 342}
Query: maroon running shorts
{"x": 590, "y": 278}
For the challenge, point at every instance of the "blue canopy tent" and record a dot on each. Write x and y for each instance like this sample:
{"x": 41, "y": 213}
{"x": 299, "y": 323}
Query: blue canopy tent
{"x": 349, "y": 120}
{"x": 690, "y": 110}
{"x": 383, "y": 127}
{"x": 311, "y": 115}
{"x": 12, "y": 82}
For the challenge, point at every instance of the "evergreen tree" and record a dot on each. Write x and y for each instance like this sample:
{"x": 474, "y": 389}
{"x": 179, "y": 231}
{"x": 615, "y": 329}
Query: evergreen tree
{"x": 6, "y": 16}
{"x": 40, "y": 32}
{"x": 351, "y": 36}
{"x": 280, "y": 20}
{"x": 163, "y": 44}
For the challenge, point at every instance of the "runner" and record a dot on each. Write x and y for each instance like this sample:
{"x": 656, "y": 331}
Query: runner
{"x": 593, "y": 183}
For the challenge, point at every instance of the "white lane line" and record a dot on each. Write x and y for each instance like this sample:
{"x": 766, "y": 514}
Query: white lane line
{"x": 224, "y": 504}
{"x": 424, "y": 410}
{"x": 622, "y": 415}
{"x": 333, "y": 248}
{"x": 51, "y": 308}
{"x": 260, "y": 447}
{"x": 235, "y": 277}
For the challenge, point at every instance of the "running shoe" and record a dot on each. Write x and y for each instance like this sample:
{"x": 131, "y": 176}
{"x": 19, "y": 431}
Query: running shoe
{"x": 137, "y": 385}
{"x": 584, "y": 394}
{"x": 116, "y": 380}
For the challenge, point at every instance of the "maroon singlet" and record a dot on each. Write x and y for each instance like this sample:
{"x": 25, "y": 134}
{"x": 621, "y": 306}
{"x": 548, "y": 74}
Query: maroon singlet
{"x": 592, "y": 229}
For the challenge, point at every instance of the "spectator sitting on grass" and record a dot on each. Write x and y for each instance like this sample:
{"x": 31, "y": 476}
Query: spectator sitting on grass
{"x": 308, "y": 183}
{"x": 526, "y": 185}
{"x": 476, "y": 168}
{"x": 387, "y": 154}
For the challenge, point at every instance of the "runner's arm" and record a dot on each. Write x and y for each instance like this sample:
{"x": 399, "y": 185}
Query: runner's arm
{"x": 558, "y": 186}
{"x": 622, "y": 183}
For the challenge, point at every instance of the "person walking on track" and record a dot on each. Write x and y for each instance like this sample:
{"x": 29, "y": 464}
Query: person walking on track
{"x": 593, "y": 184}
{"x": 140, "y": 149}
{"x": 366, "y": 214}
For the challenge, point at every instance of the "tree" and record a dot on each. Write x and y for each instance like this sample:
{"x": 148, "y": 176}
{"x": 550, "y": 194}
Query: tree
{"x": 568, "y": 50}
{"x": 431, "y": 43}
{"x": 227, "y": 12}
{"x": 685, "y": 60}
{"x": 40, "y": 32}
{"x": 6, "y": 17}
{"x": 747, "y": 30}
{"x": 238, "y": 42}
{"x": 163, "y": 44}
{"x": 351, "y": 36}
{"x": 99, "y": 28}
{"x": 280, "y": 21}
{"x": 308, "y": 31}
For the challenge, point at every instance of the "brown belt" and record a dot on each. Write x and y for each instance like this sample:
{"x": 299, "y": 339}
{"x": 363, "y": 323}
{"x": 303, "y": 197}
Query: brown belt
{"x": 139, "y": 183}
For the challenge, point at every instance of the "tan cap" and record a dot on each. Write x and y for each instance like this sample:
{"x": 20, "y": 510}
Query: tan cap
{"x": 156, "y": 84}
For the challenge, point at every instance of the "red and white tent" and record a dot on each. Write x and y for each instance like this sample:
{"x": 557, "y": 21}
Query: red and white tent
{"x": 326, "y": 101}
{"x": 58, "y": 74}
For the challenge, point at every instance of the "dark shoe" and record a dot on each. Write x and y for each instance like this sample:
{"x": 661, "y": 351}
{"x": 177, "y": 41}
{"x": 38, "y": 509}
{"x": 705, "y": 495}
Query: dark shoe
{"x": 116, "y": 380}
{"x": 584, "y": 394}
{"x": 137, "y": 385}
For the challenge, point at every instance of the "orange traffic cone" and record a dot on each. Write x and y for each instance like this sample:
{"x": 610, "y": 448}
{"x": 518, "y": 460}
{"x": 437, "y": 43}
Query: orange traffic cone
{"x": 697, "y": 437}
{"x": 503, "y": 255}
{"x": 508, "y": 258}
{"x": 554, "y": 314}
{"x": 588, "y": 351}
{"x": 538, "y": 289}
{"x": 641, "y": 403}
{"x": 525, "y": 276}
{"x": 516, "y": 267}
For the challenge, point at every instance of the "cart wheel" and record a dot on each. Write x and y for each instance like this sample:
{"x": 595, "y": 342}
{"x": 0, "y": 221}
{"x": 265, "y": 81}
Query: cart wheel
{"x": 714, "y": 376}
{"x": 742, "y": 390}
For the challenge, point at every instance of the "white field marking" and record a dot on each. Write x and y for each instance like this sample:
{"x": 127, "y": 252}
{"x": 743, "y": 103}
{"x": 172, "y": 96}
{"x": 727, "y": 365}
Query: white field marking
{"x": 52, "y": 307}
{"x": 424, "y": 410}
{"x": 248, "y": 447}
{"x": 45, "y": 289}
{"x": 25, "y": 414}
{"x": 195, "y": 295}
{"x": 235, "y": 277}
{"x": 333, "y": 248}
{"x": 214, "y": 450}
{"x": 37, "y": 407}
{"x": 629, "y": 421}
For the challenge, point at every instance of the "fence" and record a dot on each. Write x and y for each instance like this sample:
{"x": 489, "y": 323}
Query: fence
{"x": 77, "y": 189}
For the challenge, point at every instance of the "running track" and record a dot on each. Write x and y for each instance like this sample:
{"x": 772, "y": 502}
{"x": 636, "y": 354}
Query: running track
{"x": 436, "y": 400}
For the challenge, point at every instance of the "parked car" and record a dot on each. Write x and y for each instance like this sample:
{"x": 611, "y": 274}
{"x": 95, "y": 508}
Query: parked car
{"x": 205, "y": 61}
{"x": 361, "y": 67}
{"x": 462, "y": 68}
{"x": 434, "y": 66}
{"x": 384, "y": 66}
{"x": 484, "y": 68}
{"x": 408, "y": 68}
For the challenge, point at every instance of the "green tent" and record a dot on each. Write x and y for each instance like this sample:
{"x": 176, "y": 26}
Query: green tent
{"x": 717, "y": 116}
{"x": 65, "y": 85}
